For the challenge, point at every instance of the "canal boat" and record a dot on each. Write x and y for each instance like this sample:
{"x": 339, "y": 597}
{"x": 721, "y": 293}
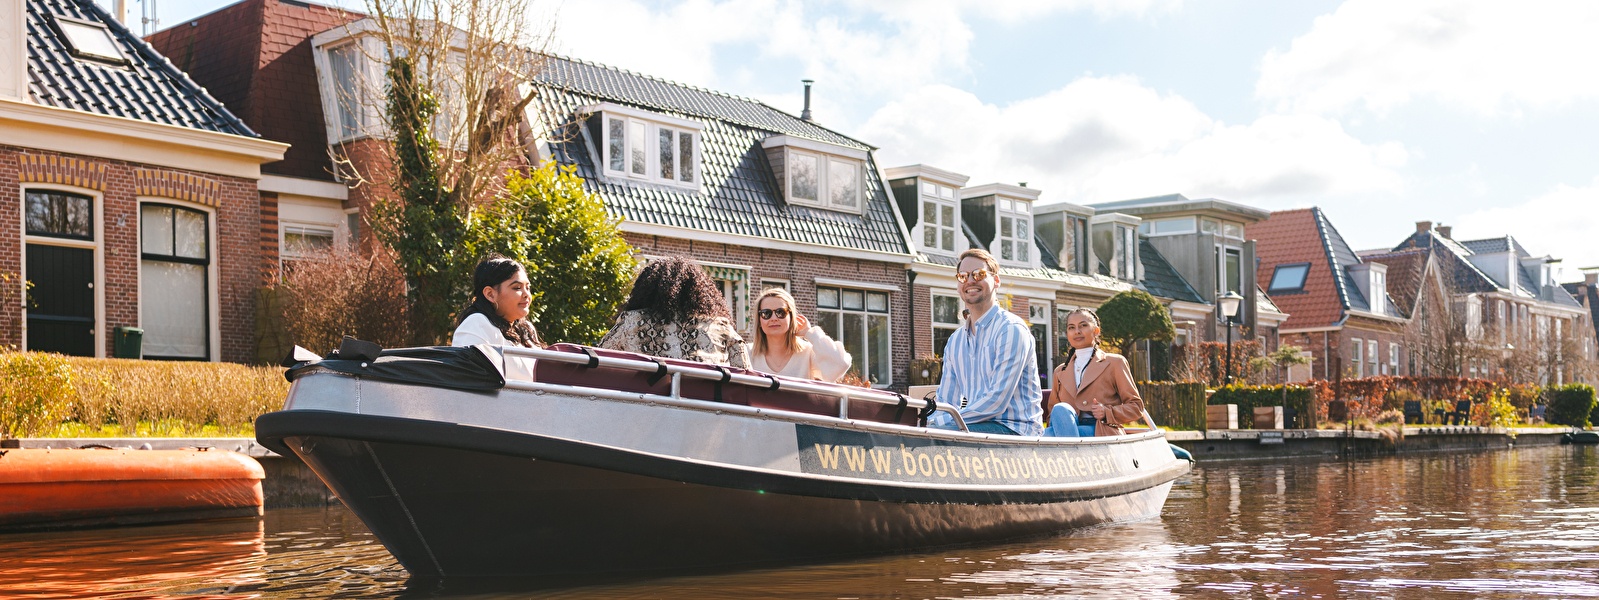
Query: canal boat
{"x": 611, "y": 462}
{"x": 44, "y": 489}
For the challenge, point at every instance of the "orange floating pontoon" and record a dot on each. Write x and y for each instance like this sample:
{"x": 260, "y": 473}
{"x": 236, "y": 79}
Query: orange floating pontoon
{"x": 50, "y": 489}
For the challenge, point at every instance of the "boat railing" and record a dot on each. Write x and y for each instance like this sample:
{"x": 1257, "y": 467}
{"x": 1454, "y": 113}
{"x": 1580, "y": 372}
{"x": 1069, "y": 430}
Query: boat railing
{"x": 845, "y": 395}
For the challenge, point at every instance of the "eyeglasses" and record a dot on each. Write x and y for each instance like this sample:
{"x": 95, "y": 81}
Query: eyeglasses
{"x": 977, "y": 275}
{"x": 768, "y": 313}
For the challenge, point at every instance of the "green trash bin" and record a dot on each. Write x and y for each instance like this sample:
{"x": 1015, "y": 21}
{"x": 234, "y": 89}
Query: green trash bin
{"x": 128, "y": 343}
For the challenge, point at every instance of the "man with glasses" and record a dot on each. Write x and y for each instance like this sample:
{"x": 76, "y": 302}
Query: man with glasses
{"x": 990, "y": 369}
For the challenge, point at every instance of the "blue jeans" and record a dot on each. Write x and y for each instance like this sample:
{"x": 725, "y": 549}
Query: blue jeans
{"x": 1063, "y": 423}
{"x": 989, "y": 427}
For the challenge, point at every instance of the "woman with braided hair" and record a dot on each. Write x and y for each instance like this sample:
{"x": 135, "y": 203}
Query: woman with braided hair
{"x": 1092, "y": 383}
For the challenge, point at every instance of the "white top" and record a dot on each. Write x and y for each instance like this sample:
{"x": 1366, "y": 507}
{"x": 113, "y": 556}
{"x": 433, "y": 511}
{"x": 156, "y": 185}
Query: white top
{"x": 822, "y": 359}
{"x": 477, "y": 329}
{"x": 1081, "y": 364}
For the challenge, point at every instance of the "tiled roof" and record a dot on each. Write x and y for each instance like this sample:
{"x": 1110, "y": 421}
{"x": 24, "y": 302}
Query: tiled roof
{"x": 1454, "y": 261}
{"x": 1590, "y": 296}
{"x": 1405, "y": 275}
{"x": 625, "y": 87}
{"x": 1292, "y": 237}
{"x": 148, "y": 88}
{"x": 1160, "y": 279}
{"x": 740, "y": 194}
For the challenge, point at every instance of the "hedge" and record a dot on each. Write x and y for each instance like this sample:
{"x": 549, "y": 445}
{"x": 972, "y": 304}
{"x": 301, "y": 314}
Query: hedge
{"x": 1299, "y": 404}
{"x": 1175, "y": 405}
{"x": 43, "y": 395}
{"x": 1570, "y": 404}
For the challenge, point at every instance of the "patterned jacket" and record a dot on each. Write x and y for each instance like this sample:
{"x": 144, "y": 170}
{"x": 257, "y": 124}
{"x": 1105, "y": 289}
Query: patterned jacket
{"x": 707, "y": 340}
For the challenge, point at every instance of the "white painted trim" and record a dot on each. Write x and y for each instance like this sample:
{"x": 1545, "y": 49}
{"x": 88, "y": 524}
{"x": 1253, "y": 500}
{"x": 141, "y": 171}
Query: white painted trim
{"x": 1311, "y": 330}
{"x": 814, "y": 146}
{"x": 97, "y": 246}
{"x": 948, "y": 178}
{"x": 893, "y": 205}
{"x": 119, "y": 138}
{"x": 13, "y": 51}
{"x": 761, "y": 242}
{"x": 787, "y": 284}
{"x": 862, "y": 285}
{"x": 303, "y": 187}
{"x": 213, "y": 270}
{"x": 1001, "y": 189}
{"x": 641, "y": 114}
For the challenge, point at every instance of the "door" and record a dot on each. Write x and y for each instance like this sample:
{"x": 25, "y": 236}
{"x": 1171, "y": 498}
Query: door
{"x": 61, "y": 315}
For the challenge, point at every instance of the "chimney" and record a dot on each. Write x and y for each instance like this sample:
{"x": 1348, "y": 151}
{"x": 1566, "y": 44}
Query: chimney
{"x": 1022, "y": 184}
{"x": 804, "y": 116}
{"x": 1445, "y": 230}
{"x": 119, "y": 11}
{"x": 1423, "y": 226}
{"x": 14, "y": 56}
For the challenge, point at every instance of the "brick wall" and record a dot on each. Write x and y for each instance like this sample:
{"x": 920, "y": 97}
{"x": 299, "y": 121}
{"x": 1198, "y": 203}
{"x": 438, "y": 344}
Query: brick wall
{"x": 238, "y": 226}
{"x": 801, "y": 271}
{"x": 1326, "y": 346}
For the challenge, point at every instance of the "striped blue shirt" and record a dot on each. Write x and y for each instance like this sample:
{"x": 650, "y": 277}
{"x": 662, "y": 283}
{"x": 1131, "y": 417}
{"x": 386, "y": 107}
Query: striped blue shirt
{"x": 992, "y": 374}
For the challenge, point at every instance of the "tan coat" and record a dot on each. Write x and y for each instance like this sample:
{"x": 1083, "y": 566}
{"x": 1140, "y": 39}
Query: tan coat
{"x": 1106, "y": 379}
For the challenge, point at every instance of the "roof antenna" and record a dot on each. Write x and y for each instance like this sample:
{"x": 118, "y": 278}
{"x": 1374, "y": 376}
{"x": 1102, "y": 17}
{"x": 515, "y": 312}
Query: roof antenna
{"x": 806, "y": 115}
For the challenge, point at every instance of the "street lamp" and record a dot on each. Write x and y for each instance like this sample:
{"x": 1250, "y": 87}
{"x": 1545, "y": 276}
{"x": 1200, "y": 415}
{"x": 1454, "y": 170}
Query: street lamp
{"x": 1229, "y": 310}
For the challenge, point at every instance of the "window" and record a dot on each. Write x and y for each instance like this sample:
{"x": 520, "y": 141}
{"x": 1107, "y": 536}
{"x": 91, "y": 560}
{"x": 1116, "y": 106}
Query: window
{"x": 946, "y": 319}
{"x": 938, "y": 217}
{"x": 1359, "y": 350}
{"x": 306, "y": 241}
{"x": 808, "y": 172}
{"x": 1289, "y": 278}
{"x": 1060, "y": 328}
{"x": 1224, "y": 229}
{"x": 59, "y": 214}
{"x": 348, "y": 88}
{"x": 1077, "y": 241}
{"x": 173, "y": 283}
{"x": 1371, "y": 357}
{"x": 1379, "y": 291}
{"x": 1393, "y": 358}
{"x": 861, "y": 319}
{"x": 1038, "y": 321}
{"x": 1229, "y": 274}
{"x": 655, "y": 151}
{"x": 775, "y": 283}
{"x": 1015, "y": 230}
{"x": 733, "y": 282}
{"x": 1128, "y": 259}
{"x": 1160, "y": 227}
{"x": 90, "y": 40}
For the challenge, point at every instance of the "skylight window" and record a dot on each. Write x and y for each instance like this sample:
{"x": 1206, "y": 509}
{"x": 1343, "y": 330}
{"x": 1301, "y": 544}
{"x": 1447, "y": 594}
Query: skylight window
{"x": 90, "y": 40}
{"x": 1289, "y": 278}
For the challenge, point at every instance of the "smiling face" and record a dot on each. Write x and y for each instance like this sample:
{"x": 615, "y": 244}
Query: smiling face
{"x": 776, "y": 316}
{"x": 1081, "y": 331}
{"x": 511, "y": 298}
{"x": 976, "y": 290}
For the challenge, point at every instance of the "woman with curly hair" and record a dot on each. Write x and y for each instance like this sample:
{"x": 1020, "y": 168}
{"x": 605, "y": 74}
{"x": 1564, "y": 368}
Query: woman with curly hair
{"x": 676, "y": 311}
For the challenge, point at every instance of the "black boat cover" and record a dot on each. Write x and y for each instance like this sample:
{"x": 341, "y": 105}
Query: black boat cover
{"x": 470, "y": 368}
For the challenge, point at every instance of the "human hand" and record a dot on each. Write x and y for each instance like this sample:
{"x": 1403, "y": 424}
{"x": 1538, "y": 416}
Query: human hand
{"x": 802, "y": 325}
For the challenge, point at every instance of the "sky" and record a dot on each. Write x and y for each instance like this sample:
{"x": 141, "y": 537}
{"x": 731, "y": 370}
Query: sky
{"x": 1479, "y": 115}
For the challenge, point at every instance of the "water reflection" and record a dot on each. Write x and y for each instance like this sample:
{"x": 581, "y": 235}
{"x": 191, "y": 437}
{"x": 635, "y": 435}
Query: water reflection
{"x": 1491, "y": 525}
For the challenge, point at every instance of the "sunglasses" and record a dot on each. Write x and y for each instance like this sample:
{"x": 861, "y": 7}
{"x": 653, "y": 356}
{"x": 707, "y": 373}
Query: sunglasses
{"x": 768, "y": 313}
{"x": 977, "y": 275}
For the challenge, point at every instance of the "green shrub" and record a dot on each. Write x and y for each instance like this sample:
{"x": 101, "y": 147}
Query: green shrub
{"x": 1175, "y": 405}
{"x": 36, "y": 393}
{"x": 1570, "y": 404}
{"x": 44, "y": 394}
{"x": 1296, "y": 398}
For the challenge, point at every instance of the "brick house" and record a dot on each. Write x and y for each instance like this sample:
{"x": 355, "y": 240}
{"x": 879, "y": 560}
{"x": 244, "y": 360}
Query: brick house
{"x": 1339, "y": 305}
{"x": 1586, "y": 292}
{"x": 132, "y": 192}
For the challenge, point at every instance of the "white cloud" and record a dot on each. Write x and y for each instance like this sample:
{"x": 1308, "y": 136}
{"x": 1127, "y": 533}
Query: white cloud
{"x": 1483, "y": 57}
{"x": 1560, "y": 223}
{"x": 1109, "y": 138}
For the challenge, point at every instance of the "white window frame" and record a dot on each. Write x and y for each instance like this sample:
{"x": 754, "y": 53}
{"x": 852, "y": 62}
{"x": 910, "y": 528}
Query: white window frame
{"x": 768, "y": 282}
{"x": 1221, "y": 268}
{"x": 1184, "y": 226}
{"x": 212, "y": 268}
{"x": 825, "y": 154}
{"x": 651, "y": 124}
{"x": 1039, "y": 313}
{"x": 1358, "y": 360}
{"x": 1014, "y": 209}
{"x": 942, "y": 197}
{"x": 934, "y": 325}
{"x": 1393, "y": 358}
{"x": 738, "y": 301}
{"x": 97, "y": 245}
{"x": 82, "y": 37}
{"x": 366, "y": 71}
{"x": 1373, "y": 359}
{"x": 319, "y": 228}
{"x": 884, "y": 380}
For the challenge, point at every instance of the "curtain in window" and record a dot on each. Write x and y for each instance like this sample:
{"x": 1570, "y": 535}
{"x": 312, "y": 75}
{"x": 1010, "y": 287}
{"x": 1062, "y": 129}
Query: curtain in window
{"x": 174, "y": 310}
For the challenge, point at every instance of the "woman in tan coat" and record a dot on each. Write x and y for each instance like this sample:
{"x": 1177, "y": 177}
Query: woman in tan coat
{"x": 1091, "y": 382}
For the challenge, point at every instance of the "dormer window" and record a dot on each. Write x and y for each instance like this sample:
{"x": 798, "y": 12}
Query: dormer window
{"x": 645, "y": 146}
{"x": 938, "y": 217}
{"x": 818, "y": 174}
{"x": 1015, "y": 230}
{"x": 1116, "y": 244}
{"x": 1226, "y": 229}
{"x": 87, "y": 39}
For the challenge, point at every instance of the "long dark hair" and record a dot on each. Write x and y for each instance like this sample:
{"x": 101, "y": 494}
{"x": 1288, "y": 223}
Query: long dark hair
{"x": 675, "y": 289}
{"x": 492, "y": 271}
{"x": 1071, "y": 351}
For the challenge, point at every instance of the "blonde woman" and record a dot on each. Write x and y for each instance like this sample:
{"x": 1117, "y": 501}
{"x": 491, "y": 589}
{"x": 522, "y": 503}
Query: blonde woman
{"x": 787, "y": 344}
{"x": 1092, "y": 383}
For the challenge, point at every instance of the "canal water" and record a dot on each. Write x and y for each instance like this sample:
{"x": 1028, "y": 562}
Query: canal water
{"x": 1507, "y": 524}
